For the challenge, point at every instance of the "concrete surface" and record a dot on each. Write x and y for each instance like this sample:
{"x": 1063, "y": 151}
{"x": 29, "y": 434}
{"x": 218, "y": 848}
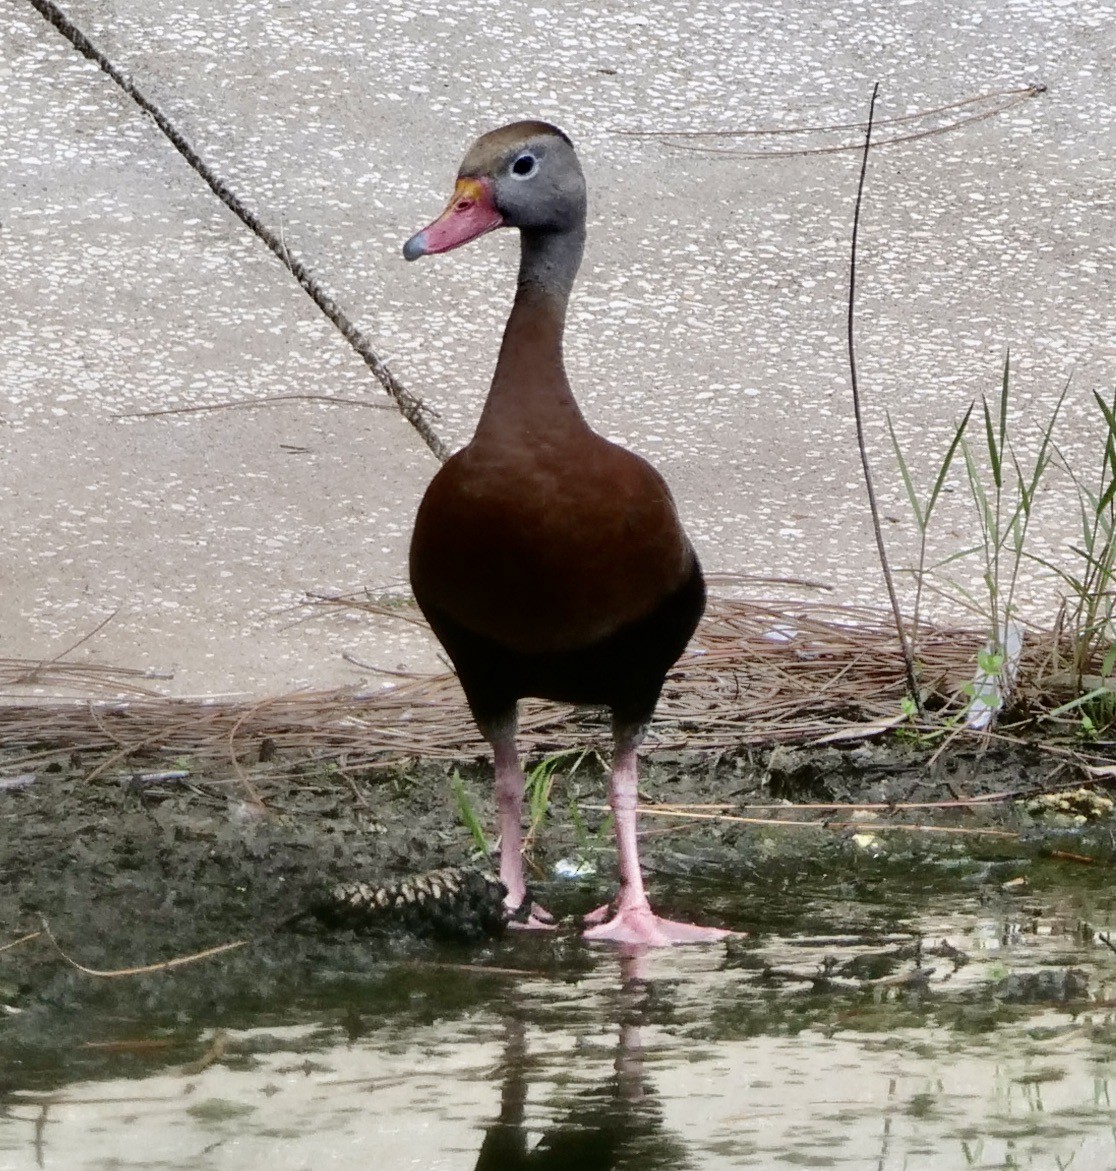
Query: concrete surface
{"x": 707, "y": 329}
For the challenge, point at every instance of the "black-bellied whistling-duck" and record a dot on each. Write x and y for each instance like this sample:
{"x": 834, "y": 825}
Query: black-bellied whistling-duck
{"x": 548, "y": 561}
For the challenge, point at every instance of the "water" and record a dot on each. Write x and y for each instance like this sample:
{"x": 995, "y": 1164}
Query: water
{"x": 806, "y": 1045}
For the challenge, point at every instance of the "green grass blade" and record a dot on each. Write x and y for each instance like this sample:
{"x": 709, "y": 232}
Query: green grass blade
{"x": 958, "y": 556}
{"x": 468, "y": 814}
{"x": 1004, "y": 388}
{"x": 943, "y": 471}
{"x": 1080, "y": 701}
{"x": 936, "y": 566}
{"x": 904, "y": 471}
{"x": 1108, "y": 412}
{"x": 993, "y": 449}
{"x": 985, "y": 514}
{"x": 1066, "y": 575}
{"x": 1106, "y": 497}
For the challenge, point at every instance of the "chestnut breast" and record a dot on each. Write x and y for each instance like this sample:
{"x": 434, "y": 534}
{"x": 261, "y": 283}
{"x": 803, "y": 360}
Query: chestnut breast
{"x": 548, "y": 546}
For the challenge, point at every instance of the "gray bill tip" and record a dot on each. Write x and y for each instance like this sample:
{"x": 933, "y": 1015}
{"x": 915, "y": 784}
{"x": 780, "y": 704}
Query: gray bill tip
{"x": 415, "y": 247}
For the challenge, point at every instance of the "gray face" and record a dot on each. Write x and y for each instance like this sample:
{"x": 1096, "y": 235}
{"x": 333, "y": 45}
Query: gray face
{"x": 536, "y": 179}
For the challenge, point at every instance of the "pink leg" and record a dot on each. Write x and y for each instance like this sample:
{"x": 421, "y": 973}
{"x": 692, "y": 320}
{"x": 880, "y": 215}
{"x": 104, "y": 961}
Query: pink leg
{"x": 633, "y": 920}
{"x": 509, "y": 799}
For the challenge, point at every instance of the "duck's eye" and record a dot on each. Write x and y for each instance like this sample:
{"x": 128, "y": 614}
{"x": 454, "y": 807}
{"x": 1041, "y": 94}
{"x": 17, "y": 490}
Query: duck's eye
{"x": 524, "y": 166}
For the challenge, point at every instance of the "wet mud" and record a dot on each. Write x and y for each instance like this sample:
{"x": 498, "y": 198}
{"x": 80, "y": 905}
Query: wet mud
{"x": 128, "y": 871}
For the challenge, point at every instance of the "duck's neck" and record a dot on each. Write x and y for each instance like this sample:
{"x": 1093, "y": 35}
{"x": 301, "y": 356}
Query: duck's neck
{"x": 550, "y": 260}
{"x": 530, "y": 398}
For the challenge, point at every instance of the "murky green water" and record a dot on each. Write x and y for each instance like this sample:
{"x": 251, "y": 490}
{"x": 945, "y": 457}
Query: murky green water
{"x": 807, "y": 1045}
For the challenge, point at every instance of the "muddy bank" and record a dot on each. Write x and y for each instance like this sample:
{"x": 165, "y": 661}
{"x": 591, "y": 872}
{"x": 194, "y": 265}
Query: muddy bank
{"x": 130, "y": 871}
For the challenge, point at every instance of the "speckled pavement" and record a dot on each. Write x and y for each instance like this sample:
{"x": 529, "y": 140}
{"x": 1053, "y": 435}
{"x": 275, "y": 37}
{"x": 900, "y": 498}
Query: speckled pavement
{"x": 707, "y": 329}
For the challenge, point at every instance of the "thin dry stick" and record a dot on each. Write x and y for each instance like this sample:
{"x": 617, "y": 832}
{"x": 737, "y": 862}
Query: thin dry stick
{"x": 1066, "y": 856}
{"x": 217, "y": 1049}
{"x": 843, "y": 148}
{"x": 46, "y": 663}
{"x": 245, "y": 780}
{"x": 908, "y": 656}
{"x": 164, "y": 966}
{"x": 1026, "y": 91}
{"x": 864, "y": 826}
{"x": 241, "y": 403}
{"x": 726, "y": 578}
{"x": 955, "y": 734}
{"x": 474, "y": 969}
{"x": 22, "y": 939}
{"x": 108, "y": 734}
{"x": 838, "y": 807}
{"x": 412, "y": 408}
{"x": 895, "y": 140}
{"x": 360, "y": 797}
{"x": 138, "y": 1045}
{"x": 123, "y": 753}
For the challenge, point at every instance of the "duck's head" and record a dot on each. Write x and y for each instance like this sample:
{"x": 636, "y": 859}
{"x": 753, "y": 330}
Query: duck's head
{"x": 525, "y": 175}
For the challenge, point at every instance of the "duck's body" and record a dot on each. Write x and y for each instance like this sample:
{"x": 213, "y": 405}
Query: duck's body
{"x": 549, "y": 561}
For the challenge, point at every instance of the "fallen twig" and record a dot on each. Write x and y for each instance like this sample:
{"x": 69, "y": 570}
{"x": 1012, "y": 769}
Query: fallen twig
{"x": 22, "y": 939}
{"x": 840, "y": 806}
{"x": 218, "y": 1047}
{"x": 475, "y": 969}
{"x": 162, "y": 966}
{"x": 863, "y": 826}
{"x": 1004, "y": 100}
{"x": 240, "y": 403}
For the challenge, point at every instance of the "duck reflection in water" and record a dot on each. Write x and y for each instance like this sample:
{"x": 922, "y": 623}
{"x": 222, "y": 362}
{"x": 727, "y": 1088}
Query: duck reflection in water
{"x": 615, "y": 1126}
